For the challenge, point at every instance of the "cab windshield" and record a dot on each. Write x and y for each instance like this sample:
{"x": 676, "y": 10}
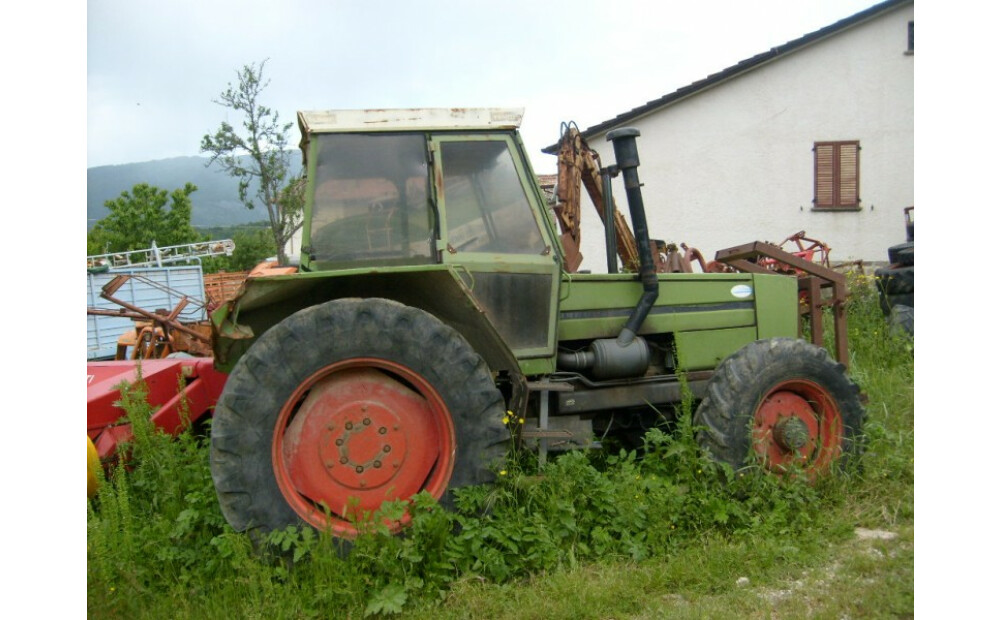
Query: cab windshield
{"x": 371, "y": 200}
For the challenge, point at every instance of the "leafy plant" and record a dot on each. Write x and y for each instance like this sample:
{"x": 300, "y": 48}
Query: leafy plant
{"x": 139, "y": 218}
{"x": 588, "y": 533}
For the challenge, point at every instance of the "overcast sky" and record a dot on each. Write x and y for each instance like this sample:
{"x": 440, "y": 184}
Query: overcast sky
{"x": 154, "y": 67}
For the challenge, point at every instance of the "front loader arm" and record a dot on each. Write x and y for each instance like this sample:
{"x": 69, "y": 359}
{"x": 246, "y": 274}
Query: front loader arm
{"x": 578, "y": 162}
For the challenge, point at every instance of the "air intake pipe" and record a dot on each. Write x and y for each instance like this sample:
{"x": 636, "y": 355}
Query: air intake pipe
{"x": 627, "y": 158}
{"x": 627, "y": 355}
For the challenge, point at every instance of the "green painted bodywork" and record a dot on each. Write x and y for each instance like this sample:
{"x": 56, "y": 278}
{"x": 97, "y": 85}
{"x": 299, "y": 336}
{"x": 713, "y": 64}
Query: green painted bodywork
{"x": 708, "y": 321}
{"x": 437, "y": 289}
{"x": 704, "y": 317}
{"x": 700, "y": 311}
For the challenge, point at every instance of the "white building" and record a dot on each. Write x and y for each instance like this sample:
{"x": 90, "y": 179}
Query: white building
{"x": 813, "y": 135}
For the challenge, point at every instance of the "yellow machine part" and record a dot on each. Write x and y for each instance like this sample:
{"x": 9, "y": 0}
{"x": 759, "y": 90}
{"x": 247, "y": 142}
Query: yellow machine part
{"x": 93, "y": 468}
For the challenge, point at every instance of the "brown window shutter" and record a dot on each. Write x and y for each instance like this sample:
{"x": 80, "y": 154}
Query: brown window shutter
{"x": 836, "y": 174}
{"x": 848, "y": 195}
{"x": 824, "y": 175}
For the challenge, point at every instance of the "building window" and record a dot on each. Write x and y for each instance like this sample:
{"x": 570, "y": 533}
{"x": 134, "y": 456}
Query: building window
{"x": 837, "y": 168}
{"x": 909, "y": 37}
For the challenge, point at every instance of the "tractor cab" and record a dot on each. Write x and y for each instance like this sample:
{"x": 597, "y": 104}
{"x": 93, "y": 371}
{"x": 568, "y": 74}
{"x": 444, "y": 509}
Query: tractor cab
{"x": 414, "y": 187}
{"x": 452, "y": 188}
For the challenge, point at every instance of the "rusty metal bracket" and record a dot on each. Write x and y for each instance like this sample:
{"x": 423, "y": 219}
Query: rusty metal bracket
{"x": 813, "y": 280}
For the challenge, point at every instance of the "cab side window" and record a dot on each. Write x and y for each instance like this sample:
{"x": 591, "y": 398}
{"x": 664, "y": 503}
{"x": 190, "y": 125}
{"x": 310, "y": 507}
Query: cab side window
{"x": 486, "y": 207}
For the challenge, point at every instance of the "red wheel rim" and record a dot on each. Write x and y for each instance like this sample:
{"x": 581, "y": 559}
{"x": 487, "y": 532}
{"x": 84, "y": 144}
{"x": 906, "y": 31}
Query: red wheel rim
{"x": 357, "y": 433}
{"x": 797, "y": 425}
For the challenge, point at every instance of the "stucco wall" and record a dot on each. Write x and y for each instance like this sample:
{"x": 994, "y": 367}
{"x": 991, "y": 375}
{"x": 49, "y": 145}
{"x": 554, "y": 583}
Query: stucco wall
{"x": 734, "y": 163}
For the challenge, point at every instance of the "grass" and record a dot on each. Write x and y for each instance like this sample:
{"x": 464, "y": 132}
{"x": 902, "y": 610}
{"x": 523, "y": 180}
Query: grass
{"x": 594, "y": 536}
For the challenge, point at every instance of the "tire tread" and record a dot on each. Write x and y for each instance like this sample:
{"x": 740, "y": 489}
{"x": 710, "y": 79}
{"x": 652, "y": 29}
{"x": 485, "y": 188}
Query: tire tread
{"x": 303, "y": 343}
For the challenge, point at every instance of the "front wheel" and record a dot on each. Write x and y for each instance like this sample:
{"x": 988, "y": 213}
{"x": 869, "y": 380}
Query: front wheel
{"x": 781, "y": 404}
{"x": 345, "y": 405}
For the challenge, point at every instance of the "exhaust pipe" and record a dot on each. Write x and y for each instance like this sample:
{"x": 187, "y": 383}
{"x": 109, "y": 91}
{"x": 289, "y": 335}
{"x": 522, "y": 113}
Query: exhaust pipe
{"x": 627, "y": 159}
{"x": 627, "y": 355}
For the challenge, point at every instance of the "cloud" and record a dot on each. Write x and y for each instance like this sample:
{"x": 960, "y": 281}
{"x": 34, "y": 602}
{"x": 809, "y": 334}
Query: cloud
{"x": 584, "y": 60}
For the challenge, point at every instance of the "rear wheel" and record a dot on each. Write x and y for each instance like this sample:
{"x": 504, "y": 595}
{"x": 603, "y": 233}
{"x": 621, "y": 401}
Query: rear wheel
{"x": 902, "y": 254}
{"x": 888, "y": 302}
{"x": 896, "y": 280}
{"x": 781, "y": 404}
{"x": 901, "y": 320}
{"x": 345, "y": 405}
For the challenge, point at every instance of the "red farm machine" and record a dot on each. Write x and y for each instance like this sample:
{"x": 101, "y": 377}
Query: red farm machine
{"x": 435, "y": 297}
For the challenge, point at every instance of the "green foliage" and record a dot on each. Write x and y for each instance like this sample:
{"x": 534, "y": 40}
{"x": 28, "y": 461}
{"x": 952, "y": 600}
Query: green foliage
{"x": 154, "y": 520}
{"x": 253, "y": 245}
{"x": 264, "y": 176}
{"x": 661, "y": 533}
{"x": 139, "y": 218}
{"x": 230, "y": 232}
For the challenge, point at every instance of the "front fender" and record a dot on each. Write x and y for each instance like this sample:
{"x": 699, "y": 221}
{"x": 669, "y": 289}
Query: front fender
{"x": 436, "y": 289}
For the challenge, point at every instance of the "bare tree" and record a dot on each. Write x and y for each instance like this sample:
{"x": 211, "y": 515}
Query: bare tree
{"x": 258, "y": 155}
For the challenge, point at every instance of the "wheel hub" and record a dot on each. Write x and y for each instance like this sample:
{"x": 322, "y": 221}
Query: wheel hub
{"x": 791, "y": 433}
{"x": 785, "y": 430}
{"x": 362, "y": 445}
{"x": 360, "y": 437}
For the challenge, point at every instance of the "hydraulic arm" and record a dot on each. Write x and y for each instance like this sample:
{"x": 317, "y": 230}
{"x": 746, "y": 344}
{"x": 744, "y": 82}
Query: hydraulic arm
{"x": 578, "y": 162}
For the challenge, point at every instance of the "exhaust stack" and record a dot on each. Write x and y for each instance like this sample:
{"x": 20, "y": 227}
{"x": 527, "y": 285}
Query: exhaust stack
{"x": 627, "y": 355}
{"x": 627, "y": 159}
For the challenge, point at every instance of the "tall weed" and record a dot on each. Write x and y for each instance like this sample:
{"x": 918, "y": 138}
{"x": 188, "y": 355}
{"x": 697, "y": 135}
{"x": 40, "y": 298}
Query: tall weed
{"x": 157, "y": 545}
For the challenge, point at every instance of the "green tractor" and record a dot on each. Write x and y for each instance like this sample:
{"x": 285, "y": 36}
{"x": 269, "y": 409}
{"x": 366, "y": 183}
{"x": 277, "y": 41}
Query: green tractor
{"x": 432, "y": 307}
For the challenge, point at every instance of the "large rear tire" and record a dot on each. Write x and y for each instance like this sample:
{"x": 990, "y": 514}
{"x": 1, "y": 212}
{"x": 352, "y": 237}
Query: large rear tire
{"x": 901, "y": 320}
{"x": 896, "y": 280}
{"x": 781, "y": 404}
{"x": 347, "y": 404}
{"x": 901, "y": 254}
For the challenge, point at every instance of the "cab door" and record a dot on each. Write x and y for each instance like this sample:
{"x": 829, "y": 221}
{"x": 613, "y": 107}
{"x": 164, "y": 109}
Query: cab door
{"x": 494, "y": 231}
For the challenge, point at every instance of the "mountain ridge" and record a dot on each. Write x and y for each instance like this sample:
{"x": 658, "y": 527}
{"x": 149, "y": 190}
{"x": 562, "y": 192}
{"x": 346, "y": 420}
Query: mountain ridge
{"x": 216, "y": 203}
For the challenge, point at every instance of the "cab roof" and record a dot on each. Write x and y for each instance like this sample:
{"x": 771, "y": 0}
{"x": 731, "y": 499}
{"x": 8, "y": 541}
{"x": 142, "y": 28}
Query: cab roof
{"x": 331, "y": 121}
{"x": 403, "y": 119}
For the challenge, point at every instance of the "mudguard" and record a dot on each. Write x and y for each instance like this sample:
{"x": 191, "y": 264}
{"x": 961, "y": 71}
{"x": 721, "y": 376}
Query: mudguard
{"x": 437, "y": 289}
